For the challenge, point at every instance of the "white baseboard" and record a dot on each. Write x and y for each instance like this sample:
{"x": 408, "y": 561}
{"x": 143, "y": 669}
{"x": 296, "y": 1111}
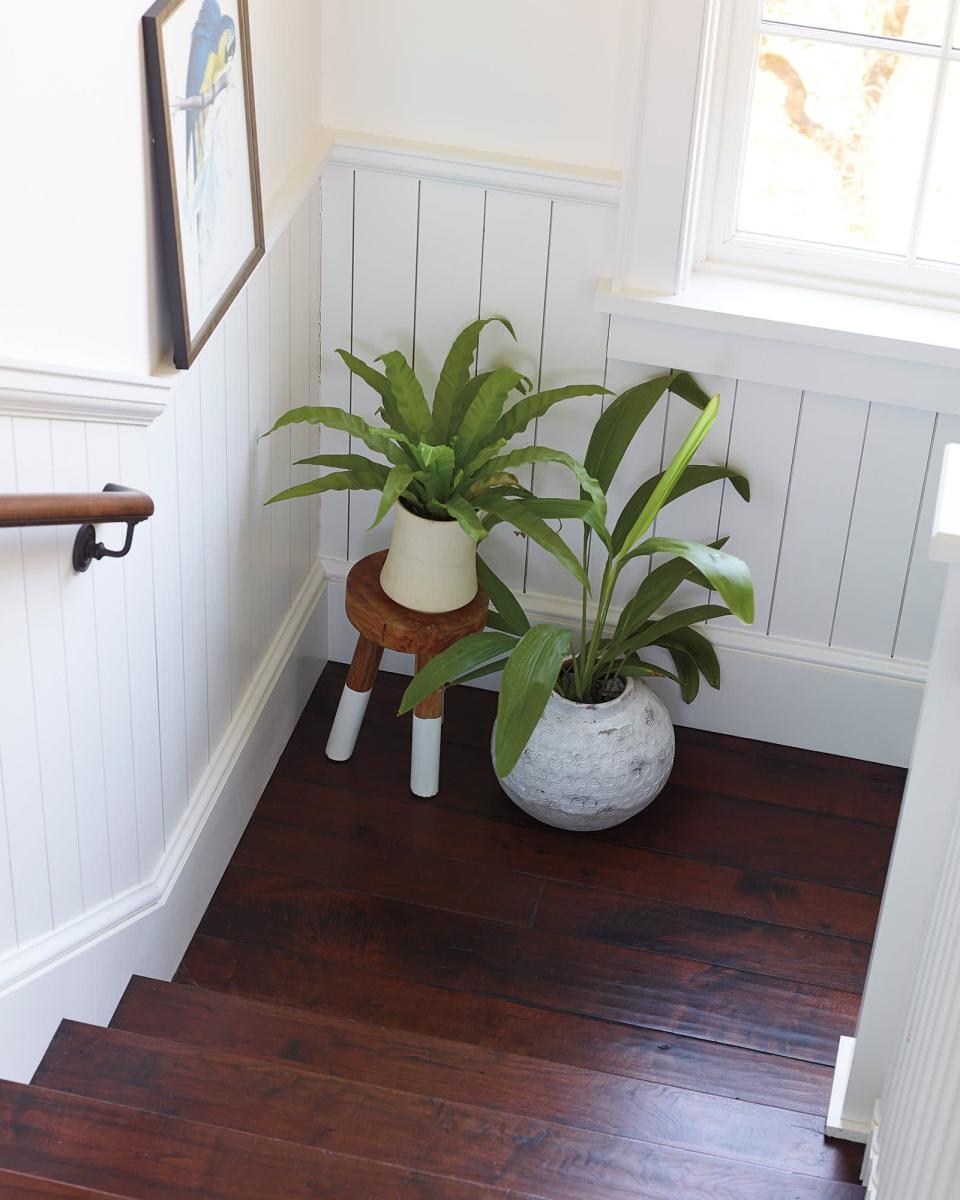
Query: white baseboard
{"x": 836, "y": 1125}
{"x": 80, "y": 970}
{"x": 774, "y": 689}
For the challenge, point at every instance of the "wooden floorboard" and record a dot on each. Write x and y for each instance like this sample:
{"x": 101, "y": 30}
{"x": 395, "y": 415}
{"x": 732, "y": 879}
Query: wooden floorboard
{"x": 403, "y": 998}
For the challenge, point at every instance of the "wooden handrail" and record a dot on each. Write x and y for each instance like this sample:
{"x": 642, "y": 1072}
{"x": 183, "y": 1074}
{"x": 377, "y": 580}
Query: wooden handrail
{"x": 75, "y": 508}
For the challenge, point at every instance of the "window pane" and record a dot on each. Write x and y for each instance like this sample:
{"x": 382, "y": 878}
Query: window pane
{"x": 940, "y": 231}
{"x": 915, "y": 20}
{"x": 835, "y": 143}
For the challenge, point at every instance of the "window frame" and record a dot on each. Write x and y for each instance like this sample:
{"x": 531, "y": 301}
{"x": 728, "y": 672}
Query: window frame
{"x": 718, "y": 247}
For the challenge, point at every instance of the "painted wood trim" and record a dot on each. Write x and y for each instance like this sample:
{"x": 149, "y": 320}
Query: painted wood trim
{"x": 37, "y": 390}
{"x": 452, "y": 165}
{"x": 945, "y": 543}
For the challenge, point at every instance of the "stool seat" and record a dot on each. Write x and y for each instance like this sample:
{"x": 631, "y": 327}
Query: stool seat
{"x": 385, "y": 625}
{"x": 383, "y": 621}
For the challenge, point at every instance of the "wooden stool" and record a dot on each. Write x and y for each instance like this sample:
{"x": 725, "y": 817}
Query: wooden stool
{"x": 385, "y": 625}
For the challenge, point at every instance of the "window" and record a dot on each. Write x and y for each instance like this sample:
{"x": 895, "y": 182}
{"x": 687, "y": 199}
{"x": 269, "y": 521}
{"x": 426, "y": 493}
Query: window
{"x": 836, "y": 152}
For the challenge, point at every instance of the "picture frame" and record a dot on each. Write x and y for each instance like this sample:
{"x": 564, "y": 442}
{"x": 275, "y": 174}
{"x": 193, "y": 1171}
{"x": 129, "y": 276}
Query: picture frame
{"x": 203, "y": 121}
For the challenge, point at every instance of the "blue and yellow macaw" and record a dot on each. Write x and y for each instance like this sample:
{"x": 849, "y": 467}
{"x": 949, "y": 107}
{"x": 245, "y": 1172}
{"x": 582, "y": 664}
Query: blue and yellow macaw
{"x": 213, "y": 44}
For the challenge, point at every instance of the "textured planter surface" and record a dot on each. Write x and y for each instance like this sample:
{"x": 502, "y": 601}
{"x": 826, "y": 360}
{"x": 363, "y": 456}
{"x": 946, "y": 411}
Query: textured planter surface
{"x": 590, "y": 766}
{"x": 431, "y": 566}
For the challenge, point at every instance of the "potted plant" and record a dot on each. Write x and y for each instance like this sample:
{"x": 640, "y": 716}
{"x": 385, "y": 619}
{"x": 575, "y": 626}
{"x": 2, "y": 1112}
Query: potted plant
{"x": 446, "y": 466}
{"x": 580, "y": 741}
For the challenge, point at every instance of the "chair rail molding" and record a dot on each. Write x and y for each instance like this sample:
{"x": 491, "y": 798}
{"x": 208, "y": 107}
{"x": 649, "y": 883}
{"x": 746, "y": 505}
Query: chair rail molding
{"x": 42, "y": 390}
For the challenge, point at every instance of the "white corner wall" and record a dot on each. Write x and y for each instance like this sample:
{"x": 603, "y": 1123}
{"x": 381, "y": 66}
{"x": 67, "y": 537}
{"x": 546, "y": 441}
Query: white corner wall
{"x": 80, "y": 284}
{"x": 541, "y": 79}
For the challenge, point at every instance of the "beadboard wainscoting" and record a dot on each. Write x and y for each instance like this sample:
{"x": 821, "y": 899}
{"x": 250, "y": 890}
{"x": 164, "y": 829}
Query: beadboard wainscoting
{"x": 144, "y": 703}
{"x": 414, "y": 248}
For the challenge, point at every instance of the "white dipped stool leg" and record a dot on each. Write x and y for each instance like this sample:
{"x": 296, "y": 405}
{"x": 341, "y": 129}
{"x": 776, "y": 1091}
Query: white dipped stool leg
{"x": 346, "y": 724}
{"x": 354, "y": 700}
{"x": 425, "y": 756}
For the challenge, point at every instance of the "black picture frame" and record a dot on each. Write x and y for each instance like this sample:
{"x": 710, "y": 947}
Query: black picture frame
{"x": 188, "y": 341}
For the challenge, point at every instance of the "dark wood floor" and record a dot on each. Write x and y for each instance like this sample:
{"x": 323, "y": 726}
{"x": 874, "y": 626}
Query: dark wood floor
{"x": 390, "y": 997}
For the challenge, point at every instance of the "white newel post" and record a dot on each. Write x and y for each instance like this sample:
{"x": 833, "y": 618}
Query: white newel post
{"x": 905, "y": 1060}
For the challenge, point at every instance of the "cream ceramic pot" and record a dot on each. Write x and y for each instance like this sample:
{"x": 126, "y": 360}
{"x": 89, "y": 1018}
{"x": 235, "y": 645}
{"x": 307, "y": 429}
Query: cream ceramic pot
{"x": 590, "y": 766}
{"x": 431, "y": 565}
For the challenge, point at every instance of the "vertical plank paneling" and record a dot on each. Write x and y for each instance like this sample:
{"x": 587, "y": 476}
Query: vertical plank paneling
{"x": 142, "y": 655}
{"x": 313, "y": 323}
{"x": 69, "y": 453}
{"x": 168, "y": 609}
{"x": 448, "y": 272}
{"x": 42, "y": 569}
{"x": 762, "y": 441}
{"x": 113, "y": 665}
{"x": 336, "y": 321}
{"x": 192, "y": 583}
{"x": 515, "y": 242}
{"x": 212, "y": 425}
{"x": 258, "y": 367}
{"x": 23, "y": 794}
{"x": 8, "y": 908}
{"x": 281, "y": 514}
{"x": 384, "y": 300}
{"x": 924, "y": 587}
{"x": 696, "y": 515}
{"x": 819, "y": 506}
{"x": 239, "y": 468}
{"x": 884, "y": 515}
{"x": 574, "y": 351}
{"x": 301, "y": 333}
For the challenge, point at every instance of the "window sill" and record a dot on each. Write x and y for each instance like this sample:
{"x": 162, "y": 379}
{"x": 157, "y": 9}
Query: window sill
{"x": 831, "y": 342}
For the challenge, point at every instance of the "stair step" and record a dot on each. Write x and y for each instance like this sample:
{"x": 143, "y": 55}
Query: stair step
{"x": 14, "y": 1186}
{"x": 137, "y": 1154}
{"x": 468, "y": 1074}
{"x": 416, "y": 1132}
{"x": 284, "y": 977}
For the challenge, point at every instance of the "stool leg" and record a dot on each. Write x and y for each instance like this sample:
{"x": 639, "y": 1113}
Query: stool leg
{"x": 425, "y": 754}
{"x": 353, "y": 700}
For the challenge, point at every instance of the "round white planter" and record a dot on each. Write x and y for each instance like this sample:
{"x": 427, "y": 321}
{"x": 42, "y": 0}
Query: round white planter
{"x": 590, "y": 766}
{"x": 431, "y": 566}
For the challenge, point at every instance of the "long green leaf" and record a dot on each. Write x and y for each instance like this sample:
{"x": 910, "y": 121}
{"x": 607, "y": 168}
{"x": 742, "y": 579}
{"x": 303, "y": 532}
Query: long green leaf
{"x": 528, "y": 679}
{"x": 502, "y": 599}
{"x": 481, "y": 417}
{"x": 518, "y": 514}
{"x": 552, "y": 508}
{"x": 345, "y": 462}
{"x": 516, "y": 419}
{"x": 543, "y": 454}
{"x": 618, "y": 424}
{"x": 464, "y": 512}
{"x": 669, "y": 624}
{"x": 381, "y": 385}
{"x": 340, "y": 481}
{"x": 455, "y": 374}
{"x": 394, "y": 486}
{"x": 411, "y": 402}
{"x": 490, "y": 668}
{"x": 695, "y": 476}
{"x": 687, "y": 673}
{"x": 467, "y": 654}
{"x": 670, "y": 477}
{"x": 642, "y": 670}
{"x": 439, "y": 463}
{"x": 729, "y": 575}
{"x": 654, "y": 590}
{"x": 700, "y": 649}
{"x": 335, "y": 418}
{"x": 686, "y": 387}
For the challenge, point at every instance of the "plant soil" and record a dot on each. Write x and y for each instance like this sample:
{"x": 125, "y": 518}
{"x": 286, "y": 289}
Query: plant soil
{"x": 608, "y": 688}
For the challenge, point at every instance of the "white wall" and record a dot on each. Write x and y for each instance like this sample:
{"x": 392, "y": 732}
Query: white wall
{"x": 546, "y": 79}
{"x": 127, "y": 692}
{"x": 79, "y": 283}
{"x": 846, "y": 598}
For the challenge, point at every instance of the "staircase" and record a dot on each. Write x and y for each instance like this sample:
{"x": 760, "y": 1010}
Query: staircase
{"x": 362, "y": 1015}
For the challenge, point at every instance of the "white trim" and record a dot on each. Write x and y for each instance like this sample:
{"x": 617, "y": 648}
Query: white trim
{"x": 38, "y": 390}
{"x": 945, "y": 543}
{"x": 816, "y": 340}
{"x": 775, "y": 689}
{"x": 31, "y": 983}
{"x": 454, "y": 165}
{"x": 836, "y": 1126}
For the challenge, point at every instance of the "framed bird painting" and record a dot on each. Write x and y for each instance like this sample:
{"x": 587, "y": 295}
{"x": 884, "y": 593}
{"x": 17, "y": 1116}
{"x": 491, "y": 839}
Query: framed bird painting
{"x": 200, "y": 89}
